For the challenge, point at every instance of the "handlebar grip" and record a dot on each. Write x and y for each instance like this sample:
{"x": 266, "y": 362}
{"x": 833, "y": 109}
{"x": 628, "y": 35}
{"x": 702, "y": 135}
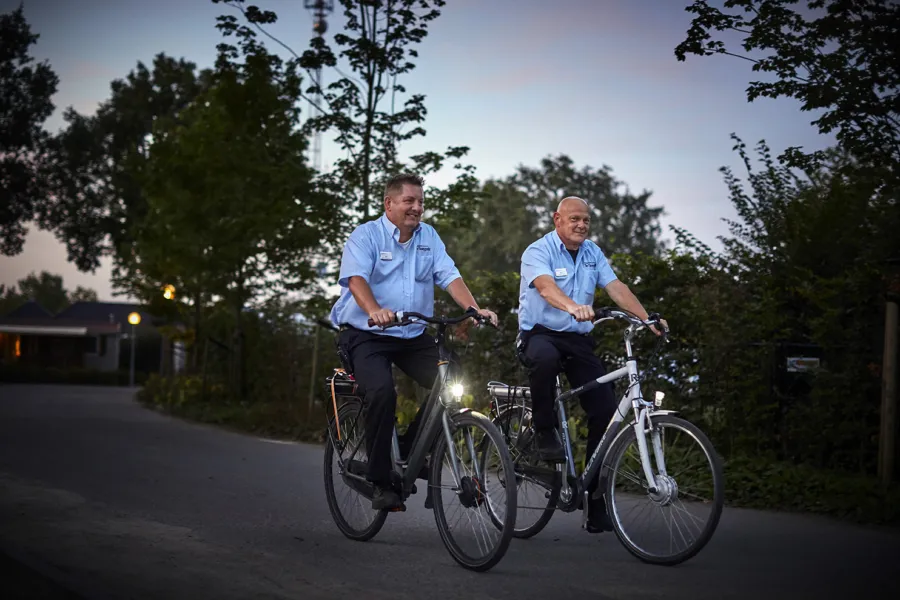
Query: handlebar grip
{"x": 371, "y": 323}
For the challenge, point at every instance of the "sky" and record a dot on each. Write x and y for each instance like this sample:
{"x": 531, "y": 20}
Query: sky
{"x": 515, "y": 80}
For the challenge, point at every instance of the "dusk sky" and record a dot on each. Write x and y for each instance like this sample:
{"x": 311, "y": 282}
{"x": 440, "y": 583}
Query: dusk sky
{"x": 516, "y": 80}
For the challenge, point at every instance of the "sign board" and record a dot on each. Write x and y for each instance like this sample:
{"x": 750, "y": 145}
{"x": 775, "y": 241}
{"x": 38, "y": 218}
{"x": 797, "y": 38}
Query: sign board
{"x": 802, "y": 364}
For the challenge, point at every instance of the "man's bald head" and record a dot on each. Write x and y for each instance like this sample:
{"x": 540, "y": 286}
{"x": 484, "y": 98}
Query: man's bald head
{"x": 568, "y": 200}
{"x": 572, "y": 219}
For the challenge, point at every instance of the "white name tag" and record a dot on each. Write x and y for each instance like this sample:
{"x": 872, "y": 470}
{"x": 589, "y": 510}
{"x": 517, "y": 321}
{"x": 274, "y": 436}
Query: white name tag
{"x": 386, "y": 256}
{"x": 561, "y": 272}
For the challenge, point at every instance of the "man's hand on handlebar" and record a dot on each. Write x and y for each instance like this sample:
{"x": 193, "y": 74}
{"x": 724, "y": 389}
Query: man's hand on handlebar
{"x": 489, "y": 315}
{"x": 582, "y": 312}
{"x": 381, "y": 317}
{"x": 657, "y": 331}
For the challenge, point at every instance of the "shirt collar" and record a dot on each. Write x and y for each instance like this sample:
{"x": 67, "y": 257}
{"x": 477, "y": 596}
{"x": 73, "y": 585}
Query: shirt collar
{"x": 393, "y": 230}
{"x": 554, "y": 237}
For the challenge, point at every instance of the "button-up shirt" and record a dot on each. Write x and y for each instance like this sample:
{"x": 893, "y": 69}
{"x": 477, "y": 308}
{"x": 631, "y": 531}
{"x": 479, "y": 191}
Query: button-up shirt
{"x": 401, "y": 276}
{"x": 576, "y": 278}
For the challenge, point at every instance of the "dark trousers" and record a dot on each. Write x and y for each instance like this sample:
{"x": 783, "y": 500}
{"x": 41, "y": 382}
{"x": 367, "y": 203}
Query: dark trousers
{"x": 372, "y": 355}
{"x": 543, "y": 354}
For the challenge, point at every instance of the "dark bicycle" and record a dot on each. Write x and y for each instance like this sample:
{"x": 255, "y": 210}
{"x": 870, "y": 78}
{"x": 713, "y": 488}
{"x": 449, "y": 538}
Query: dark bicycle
{"x": 659, "y": 479}
{"x": 449, "y": 434}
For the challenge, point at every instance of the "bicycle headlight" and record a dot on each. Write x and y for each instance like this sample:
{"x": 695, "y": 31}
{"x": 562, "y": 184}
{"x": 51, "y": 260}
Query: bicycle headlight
{"x": 659, "y": 398}
{"x": 457, "y": 390}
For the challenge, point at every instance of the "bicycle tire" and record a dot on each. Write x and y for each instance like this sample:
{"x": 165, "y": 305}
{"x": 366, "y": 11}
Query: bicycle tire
{"x": 476, "y": 419}
{"x": 614, "y": 454}
{"x": 542, "y": 521}
{"x": 349, "y": 412}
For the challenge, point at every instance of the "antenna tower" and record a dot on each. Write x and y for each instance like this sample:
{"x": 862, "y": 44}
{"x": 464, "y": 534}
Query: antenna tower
{"x": 320, "y": 10}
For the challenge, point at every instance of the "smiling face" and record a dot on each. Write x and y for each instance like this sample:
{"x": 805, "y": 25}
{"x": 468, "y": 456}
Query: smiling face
{"x": 404, "y": 208}
{"x": 572, "y": 220}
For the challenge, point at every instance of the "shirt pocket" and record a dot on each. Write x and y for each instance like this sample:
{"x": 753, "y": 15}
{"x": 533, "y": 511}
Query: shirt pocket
{"x": 424, "y": 266}
{"x": 587, "y": 284}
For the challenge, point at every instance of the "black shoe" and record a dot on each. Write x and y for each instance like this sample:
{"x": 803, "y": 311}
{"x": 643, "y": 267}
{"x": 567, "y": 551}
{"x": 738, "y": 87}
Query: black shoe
{"x": 549, "y": 446}
{"x": 598, "y": 517}
{"x": 385, "y": 498}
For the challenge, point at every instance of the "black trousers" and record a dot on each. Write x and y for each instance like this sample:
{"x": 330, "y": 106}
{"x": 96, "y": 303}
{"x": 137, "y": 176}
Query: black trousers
{"x": 544, "y": 350}
{"x": 371, "y": 356}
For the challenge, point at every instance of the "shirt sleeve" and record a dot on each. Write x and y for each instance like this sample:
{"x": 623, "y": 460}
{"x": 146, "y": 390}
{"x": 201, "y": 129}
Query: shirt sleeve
{"x": 535, "y": 262}
{"x": 445, "y": 271}
{"x": 605, "y": 273}
{"x": 358, "y": 259}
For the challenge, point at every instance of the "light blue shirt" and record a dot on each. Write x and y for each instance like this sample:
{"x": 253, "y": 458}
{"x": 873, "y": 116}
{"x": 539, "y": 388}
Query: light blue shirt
{"x": 576, "y": 278}
{"x": 402, "y": 276}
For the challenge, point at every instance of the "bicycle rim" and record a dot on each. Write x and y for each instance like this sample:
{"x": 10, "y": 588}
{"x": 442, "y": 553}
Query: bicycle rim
{"x": 693, "y": 486}
{"x": 478, "y": 544}
{"x": 536, "y": 492}
{"x": 351, "y": 510}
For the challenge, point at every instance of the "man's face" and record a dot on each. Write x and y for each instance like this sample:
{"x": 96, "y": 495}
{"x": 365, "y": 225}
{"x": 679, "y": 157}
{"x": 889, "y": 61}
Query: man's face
{"x": 404, "y": 209}
{"x": 572, "y": 222}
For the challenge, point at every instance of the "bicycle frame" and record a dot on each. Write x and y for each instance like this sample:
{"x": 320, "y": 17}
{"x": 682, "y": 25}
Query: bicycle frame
{"x": 632, "y": 399}
{"x": 434, "y": 418}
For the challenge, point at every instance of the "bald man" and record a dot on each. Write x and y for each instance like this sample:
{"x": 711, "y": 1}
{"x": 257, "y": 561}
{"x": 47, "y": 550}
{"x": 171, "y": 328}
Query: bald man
{"x": 559, "y": 274}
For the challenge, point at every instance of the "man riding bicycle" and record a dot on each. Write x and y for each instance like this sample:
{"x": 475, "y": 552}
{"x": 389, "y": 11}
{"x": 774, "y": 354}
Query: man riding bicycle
{"x": 559, "y": 273}
{"x": 392, "y": 264}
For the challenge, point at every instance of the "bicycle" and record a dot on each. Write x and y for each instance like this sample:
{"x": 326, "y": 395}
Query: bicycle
{"x": 567, "y": 491}
{"x": 442, "y": 412}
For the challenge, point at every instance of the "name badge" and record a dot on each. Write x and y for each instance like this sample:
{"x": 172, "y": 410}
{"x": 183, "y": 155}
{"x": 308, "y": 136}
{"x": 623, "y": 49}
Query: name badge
{"x": 561, "y": 272}
{"x": 386, "y": 256}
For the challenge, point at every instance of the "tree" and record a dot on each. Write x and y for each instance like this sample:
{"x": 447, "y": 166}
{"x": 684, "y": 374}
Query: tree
{"x": 369, "y": 110}
{"x": 92, "y": 200}
{"x": 519, "y": 209}
{"x": 230, "y": 208}
{"x": 46, "y": 289}
{"x": 25, "y": 103}
{"x": 836, "y": 57}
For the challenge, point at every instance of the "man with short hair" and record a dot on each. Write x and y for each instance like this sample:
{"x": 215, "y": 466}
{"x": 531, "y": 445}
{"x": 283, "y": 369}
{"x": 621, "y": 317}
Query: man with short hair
{"x": 559, "y": 273}
{"x": 388, "y": 265}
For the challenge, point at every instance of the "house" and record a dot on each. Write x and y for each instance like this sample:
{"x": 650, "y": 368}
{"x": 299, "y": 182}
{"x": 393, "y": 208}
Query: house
{"x": 87, "y": 335}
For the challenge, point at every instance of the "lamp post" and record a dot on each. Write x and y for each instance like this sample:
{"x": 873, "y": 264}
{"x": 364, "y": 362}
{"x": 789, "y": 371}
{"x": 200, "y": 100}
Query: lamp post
{"x": 133, "y": 318}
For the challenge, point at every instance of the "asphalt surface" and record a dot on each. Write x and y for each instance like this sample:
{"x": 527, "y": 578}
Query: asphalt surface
{"x": 109, "y": 500}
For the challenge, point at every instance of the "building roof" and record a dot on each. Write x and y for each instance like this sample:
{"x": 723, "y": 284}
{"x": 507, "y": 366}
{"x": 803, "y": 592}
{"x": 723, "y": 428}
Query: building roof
{"x": 29, "y": 310}
{"x": 79, "y": 319}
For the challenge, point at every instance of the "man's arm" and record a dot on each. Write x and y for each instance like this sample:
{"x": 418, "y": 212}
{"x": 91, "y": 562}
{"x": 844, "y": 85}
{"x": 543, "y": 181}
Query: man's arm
{"x": 626, "y": 300}
{"x": 357, "y": 264}
{"x": 556, "y": 298}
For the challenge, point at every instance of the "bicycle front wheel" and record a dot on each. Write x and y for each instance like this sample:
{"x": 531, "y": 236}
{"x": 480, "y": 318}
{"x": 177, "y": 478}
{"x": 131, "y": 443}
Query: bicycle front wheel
{"x": 690, "y": 491}
{"x": 467, "y": 478}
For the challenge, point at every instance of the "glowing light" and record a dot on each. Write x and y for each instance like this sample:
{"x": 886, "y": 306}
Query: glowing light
{"x": 134, "y": 318}
{"x": 457, "y": 390}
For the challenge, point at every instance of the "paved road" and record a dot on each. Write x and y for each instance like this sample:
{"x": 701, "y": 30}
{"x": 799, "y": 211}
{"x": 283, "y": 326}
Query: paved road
{"x": 122, "y": 502}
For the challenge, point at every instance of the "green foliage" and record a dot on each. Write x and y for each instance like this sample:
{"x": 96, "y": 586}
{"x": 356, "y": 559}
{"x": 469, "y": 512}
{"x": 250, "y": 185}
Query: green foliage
{"x": 517, "y": 210}
{"x": 836, "y": 57}
{"x": 26, "y": 90}
{"x": 46, "y": 289}
{"x": 368, "y": 110}
{"x": 93, "y": 201}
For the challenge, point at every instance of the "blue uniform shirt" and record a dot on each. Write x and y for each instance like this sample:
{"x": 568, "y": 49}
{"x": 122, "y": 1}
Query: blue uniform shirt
{"x": 576, "y": 278}
{"x": 402, "y": 276}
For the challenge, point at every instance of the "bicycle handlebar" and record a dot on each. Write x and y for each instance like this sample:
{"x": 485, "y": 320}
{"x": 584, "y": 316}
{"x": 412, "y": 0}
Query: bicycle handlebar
{"x": 602, "y": 314}
{"x": 402, "y": 318}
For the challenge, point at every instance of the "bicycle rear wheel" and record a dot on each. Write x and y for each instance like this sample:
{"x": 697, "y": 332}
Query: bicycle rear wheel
{"x": 472, "y": 435}
{"x": 690, "y": 483}
{"x": 537, "y": 484}
{"x": 354, "y": 497}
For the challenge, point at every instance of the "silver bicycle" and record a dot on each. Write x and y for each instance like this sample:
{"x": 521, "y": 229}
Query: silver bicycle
{"x": 639, "y": 444}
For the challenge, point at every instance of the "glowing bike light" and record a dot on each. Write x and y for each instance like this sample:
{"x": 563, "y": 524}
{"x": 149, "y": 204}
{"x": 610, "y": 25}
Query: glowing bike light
{"x": 457, "y": 390}
{"x": 659, "y": 398}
